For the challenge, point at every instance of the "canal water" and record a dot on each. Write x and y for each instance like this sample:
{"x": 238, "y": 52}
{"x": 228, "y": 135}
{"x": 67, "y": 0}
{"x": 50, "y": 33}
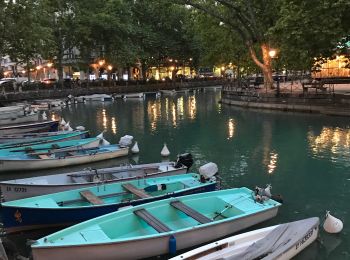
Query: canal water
{"x": 306, "y": 158}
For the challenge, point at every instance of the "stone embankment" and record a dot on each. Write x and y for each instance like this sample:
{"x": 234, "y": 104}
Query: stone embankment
{"x": 327, "y": 102}
{"x": 51, "y": 92}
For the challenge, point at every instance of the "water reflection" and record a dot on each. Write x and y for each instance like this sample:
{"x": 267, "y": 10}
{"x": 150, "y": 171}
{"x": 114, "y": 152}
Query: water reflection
{"x": 104, "y": 119}
{"x": 231, "y": 128}
{"x": 331, "y": 141}
{"x": 153, "y": 112}
{"x": 114, "y": 125}
{"x": 272, "y": 164}
{"x": 192, "y": 107}
{"x": 180, "y": 106}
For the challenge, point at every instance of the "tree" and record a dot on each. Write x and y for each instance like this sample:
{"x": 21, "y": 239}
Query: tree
{"x": 292, "y": 27}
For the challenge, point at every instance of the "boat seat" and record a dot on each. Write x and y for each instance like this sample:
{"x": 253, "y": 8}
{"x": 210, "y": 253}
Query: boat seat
{"x": 190, "y": 212}
{"x": 43, "y": 156}
{"x": 78, "y": 179}
{"x": 90, "y": 197}
{"x": 138, "y": 192}
{"x": 152, "y": 220}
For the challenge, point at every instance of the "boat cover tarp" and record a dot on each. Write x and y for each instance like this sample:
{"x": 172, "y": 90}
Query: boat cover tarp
{"x": 277, "y": 241}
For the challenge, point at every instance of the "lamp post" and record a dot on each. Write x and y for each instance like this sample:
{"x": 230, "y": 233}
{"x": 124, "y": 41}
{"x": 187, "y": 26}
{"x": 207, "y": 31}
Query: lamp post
{"x": 109, "y": 69}
{"x": 49, "y": 65}
{"x": 273, "y": 55}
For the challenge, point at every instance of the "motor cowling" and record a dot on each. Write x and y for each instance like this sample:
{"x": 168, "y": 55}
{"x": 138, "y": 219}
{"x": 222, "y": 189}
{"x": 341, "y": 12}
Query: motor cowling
{"x": 185, "y": 159}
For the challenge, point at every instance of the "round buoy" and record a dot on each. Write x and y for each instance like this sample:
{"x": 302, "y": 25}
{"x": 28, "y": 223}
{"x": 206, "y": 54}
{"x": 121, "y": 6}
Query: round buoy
{"x": 332, "y": 224}
{"x": 268, "y": 190}
{"x": 165, "y": 151}
{"x": 80, "y": 128}
{"x": 135, "y": 148}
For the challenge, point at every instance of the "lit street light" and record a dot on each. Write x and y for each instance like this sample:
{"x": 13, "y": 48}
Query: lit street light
{"x": 273, "y": 55}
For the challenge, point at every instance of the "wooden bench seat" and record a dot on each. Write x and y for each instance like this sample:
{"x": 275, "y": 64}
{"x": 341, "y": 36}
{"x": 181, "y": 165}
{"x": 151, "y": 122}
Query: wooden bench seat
{"x": 90, "y": 197}
{"x": 138, "y": 192}
{"x": 190, "y": 212}
{"x": 152, "y": 220}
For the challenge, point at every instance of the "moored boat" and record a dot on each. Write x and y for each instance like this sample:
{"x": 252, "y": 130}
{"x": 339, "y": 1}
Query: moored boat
{"x": 74, "y": 206}
{"x": 40, "y": 185}
{"x": 281, "y": 242}
{"x": 61, "y": 158}
{"x": 45, "y": 126}
{"x": 4, "y": 138}
{"x": 152, "y": 229}
{"x": 34, "y": 117}
{"x": 133, "y": 95}
{"x": 48, "y": 139}
{"x": 50, "y": 147}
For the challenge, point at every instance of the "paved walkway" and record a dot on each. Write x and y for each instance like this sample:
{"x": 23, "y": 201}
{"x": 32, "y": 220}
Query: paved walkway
{"x": 296, "y": 87}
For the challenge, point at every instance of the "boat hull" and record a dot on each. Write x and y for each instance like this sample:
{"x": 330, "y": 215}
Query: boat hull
{"x": 14, "y": 191}
{"x": 153, "y": 246}
{"x": 36, "y": 218}
{"x": 20, "y": 119}
{"x": 47, "y": 126}
{"x": 36, "y": 164}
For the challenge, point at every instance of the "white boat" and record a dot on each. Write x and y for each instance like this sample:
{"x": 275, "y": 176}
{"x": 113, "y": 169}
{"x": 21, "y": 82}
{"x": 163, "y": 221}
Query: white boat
{"x": 281, "y": 242}
{"x": 133, "y": 95}
{"x": 20, "y": 119}
{"x": 67, "y": 157}
{"x": 168, "y": 92}
{"x": 95, "y": 97}
{"x": 40, "y": 185}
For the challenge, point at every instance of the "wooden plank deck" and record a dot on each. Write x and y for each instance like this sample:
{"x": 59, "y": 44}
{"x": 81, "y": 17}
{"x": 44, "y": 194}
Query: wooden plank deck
{"x": 90, "y": 197}
{"x": 190, "y": 212}
{"x": 152, "y": 220}
{"x": 138, "y": 192}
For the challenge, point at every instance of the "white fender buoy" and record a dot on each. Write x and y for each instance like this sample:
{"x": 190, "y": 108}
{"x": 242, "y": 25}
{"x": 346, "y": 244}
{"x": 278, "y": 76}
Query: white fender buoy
{"x": 100, "y": 136}
{"x": 80, "y": 128}
{"x": 44, "y": 116}
{"x": 32, "y": 112}
{"x": 165, "y": 151}
{"x": 67, "y": 127}
{"x": 268, "y": 190}
{"x": 63, "y": 122}
{"x": 135, "y": 148}
{"x": 332, "y": 224}
{"x": 105, "y": 142}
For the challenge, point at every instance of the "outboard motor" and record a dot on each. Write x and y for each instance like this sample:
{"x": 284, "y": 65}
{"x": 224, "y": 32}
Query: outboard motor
{"x": 185, "y": 159}
{"x": 208, "y": 171}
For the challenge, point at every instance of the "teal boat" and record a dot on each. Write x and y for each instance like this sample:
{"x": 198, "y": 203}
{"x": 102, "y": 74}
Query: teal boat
{"x": 47, "y": 147}
{"x": 74, "y": 206}
{"x": 157, "y": 228}
{"x": 43, "y": 140}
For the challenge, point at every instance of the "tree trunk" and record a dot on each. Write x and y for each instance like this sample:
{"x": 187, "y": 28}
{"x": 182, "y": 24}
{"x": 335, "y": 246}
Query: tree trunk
{"x": 265, "y": 66}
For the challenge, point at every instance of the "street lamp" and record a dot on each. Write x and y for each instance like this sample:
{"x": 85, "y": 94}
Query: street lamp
{"x": 273, "y": 55}
{"x": 49, "y": 65}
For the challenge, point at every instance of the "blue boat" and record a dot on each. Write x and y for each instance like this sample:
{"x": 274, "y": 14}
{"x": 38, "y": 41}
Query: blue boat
{"x": 61, "y": 158}
{"x": 73, "y": 206}
{"x": 158, "y": 227}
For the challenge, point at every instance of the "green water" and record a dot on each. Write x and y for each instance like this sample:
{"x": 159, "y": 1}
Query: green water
{"x": 305, "y": 157}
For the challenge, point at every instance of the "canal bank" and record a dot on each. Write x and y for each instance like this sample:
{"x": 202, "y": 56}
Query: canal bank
{"x": 51, "y": 92}
{"x": 328, "y": 103}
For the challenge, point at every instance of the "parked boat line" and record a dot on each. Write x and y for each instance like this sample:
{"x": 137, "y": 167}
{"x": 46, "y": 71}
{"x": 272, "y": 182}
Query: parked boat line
{"x": 190, "y": 220}
{"x": 40, "y": 185}
{"x": 276, "y": 242}
{"x": 74, "y": 206}
{"x": 4, "y": 138}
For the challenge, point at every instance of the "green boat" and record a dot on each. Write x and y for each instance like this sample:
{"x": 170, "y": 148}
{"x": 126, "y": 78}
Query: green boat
{"x": 43, "y": 140}
{"x": 157, "y": 228}
{"x": 47, "y": 147}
